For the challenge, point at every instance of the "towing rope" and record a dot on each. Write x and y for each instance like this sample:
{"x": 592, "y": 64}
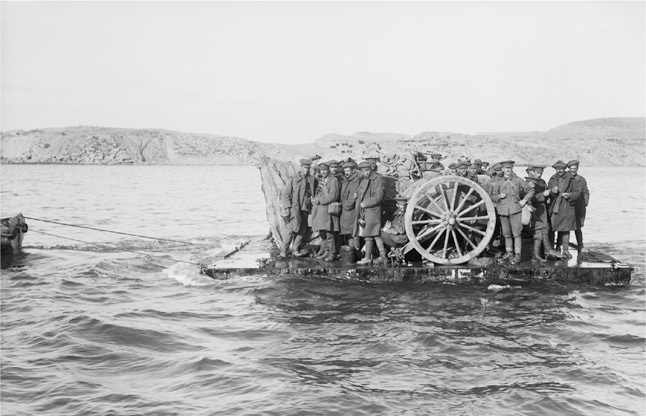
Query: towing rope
{"x": 120, "y": 249}
{"x": 114, "y": 232}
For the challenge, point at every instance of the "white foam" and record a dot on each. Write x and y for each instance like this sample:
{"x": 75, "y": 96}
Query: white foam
{"x": 188, "y": 275}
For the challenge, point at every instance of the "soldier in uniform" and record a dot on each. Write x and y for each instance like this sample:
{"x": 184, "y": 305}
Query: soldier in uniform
{"x": 479, "y": 169}
{"x": 349, "y": 188}
{"x": 296, "y": 202}
{"x": 451, "y": 170}
{"x": 581, "y": 204}
{"x": 368, "y": 212}
{"x": 394, "y": 231}
{"x": 511, "y": 193}
{"x": 463, "y": 170}
{"x": 435, "y": 163}
{"x": 539, "y": 222}
{"x": 323, "y": 221}
{"x": 564, "y": 196}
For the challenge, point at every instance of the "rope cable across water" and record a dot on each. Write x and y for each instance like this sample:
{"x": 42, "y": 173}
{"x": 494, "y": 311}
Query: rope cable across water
{"x": 114, "y": 232}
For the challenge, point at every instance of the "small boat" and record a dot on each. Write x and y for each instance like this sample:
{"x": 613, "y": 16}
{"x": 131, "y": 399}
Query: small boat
{"x": 13, "y": 231}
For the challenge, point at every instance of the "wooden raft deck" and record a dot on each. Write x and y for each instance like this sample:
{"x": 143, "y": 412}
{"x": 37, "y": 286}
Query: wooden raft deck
{"x": 260, "y": 259}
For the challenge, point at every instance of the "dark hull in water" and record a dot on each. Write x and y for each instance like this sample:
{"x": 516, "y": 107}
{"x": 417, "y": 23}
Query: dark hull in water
{"x": 260, "y": 259}
{"x": 13, "y": 231}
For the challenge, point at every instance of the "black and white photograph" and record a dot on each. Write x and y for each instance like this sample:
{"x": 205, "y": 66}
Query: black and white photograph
{"x": 323, "y": 208}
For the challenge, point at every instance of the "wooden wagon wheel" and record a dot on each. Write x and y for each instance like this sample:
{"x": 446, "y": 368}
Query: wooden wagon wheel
{"x": 450, "y": 219}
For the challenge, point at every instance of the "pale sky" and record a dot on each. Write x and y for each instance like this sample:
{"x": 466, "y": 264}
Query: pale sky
{"x": 292, "y": 72}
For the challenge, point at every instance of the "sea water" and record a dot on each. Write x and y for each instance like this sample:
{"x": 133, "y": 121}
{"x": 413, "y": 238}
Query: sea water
{"x": 95, "y": 323}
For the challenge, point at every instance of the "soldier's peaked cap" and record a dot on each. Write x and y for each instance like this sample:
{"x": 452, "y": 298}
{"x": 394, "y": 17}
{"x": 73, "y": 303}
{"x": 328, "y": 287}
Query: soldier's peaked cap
{"x": 306, "y": 162}
{"x": 351, "y": 165}
{"x": 559, "y": 164}
{"x": 401, "y": 198}
{"x": 508, "y": 163}
{"x": 323, "y": 166}
{"x": 462, "y": 164}
{"x": 438, "y": 155}
{"x": 333, "y": 163}
{"x": 364, "y": 165}
{"x": 572, "y": 163}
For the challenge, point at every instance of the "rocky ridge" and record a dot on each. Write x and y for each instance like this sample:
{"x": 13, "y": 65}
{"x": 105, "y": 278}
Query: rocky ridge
{"x": 598, "y": 142}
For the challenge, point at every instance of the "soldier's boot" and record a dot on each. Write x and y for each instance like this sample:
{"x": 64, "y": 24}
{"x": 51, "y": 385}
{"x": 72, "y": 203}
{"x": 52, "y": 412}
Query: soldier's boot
{"x": 367, "y": 259}
{"x": 285, "y": 246}
{"x": 296, "y": 250}
{"x": 324, "y": 250}
{"x": 509, "y": 248}
{"x": 356, "y": 241}
{"x": 565, "y": 241}
{"x": 579, "y": 240}
{"x": 331, "y": 246}
{"x": 382, "y": 259}
{"x": 518, "y": 245}
{"x": 547, "y": 245}
{"x": 536, "y": 255}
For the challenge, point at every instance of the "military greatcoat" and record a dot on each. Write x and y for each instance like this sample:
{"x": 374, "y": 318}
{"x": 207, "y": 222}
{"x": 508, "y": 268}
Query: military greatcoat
{"x": 296, "y": 197}
{"x": 349, "y": 188}
{"x": 370, "y": 192}
{"x": 539, "y": 216}
{"x": 581, "y": 185}
{"x": 562, "y": 211}
{"x": 327, "y": 192}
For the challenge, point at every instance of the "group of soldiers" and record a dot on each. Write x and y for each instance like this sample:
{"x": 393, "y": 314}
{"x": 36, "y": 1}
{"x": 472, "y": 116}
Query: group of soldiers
{"x": 553, "y": 209}
{"x": 344, "y": 203}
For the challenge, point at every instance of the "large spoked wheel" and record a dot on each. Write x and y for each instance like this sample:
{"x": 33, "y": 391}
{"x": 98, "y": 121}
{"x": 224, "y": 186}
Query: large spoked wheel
{"x": 450, "y": 219}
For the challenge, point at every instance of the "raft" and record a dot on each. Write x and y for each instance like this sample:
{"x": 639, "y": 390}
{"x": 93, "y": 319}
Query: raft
{"x": 435, "y": 266}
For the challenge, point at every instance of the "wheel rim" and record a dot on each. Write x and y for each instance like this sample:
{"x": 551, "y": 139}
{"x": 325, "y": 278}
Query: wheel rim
{"x": 450, "y": 219}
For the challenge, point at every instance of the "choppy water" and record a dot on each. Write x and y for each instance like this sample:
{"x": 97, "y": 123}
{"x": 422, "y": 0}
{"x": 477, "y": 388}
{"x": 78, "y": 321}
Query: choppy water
{"x": 93, "y": 329}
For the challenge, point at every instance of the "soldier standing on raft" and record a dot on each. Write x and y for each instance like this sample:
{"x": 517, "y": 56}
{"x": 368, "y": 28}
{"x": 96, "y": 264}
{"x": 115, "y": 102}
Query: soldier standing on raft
{"x": 296, "y": 200}
{"x": 338, "y": 174}
{"x": 368, "y": 213}
{"x": 349, "y": 188}
{"x": 323, "y": 221}
{"x": 539, "y": 222}
{"x": 564, "y": 197}
{"x": 579, "y": 209}
{"x": 511, "y": 193}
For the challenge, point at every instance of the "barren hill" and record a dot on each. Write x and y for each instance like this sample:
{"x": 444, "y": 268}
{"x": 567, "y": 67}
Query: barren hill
{"x": 598, "y": 142}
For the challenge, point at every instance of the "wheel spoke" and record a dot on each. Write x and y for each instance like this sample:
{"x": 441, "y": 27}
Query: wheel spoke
{"x": 437, "y": 237}
{"x": 454, "y": 201}
{"x": 455, "y": 239}
{"x": 471, "y": 208}
{"x": 482, "y": 217}
{"x": 432, "y": 201}
{"x": 473, "y": 229}
{"x": 421, "y": 236}
{"x": 428, "y": 211}
{"x": 426, "y": 222}
{"x": 445, "y": 197}
{"x": 467, "y": 238}
{"x": 464, "y": 200}
{"x": 446, "y": 243}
